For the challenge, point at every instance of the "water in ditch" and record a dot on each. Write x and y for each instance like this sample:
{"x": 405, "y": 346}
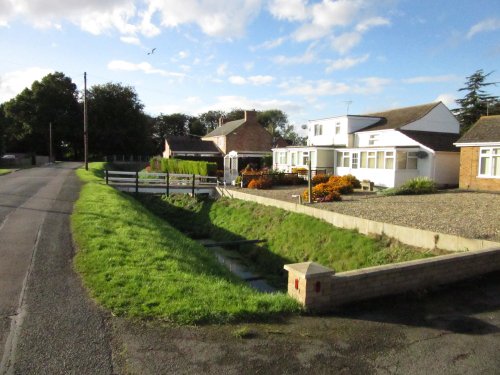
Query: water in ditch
{"x": 235, "y": 263}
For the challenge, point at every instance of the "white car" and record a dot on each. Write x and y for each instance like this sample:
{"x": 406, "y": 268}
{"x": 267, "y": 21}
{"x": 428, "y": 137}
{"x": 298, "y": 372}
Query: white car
{"x": 9, "y": 157}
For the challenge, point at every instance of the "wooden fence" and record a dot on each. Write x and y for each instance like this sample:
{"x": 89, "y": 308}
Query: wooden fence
{"x": 191, "y": 182}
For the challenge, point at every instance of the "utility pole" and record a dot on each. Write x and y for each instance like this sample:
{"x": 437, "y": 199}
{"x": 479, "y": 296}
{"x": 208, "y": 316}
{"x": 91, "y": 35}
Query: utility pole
{"x": 85, "y": 125}
{"x": 51, "y": 159}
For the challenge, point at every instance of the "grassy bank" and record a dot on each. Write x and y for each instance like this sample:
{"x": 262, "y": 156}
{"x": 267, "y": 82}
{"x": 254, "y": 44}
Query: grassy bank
{"x": 290, "y": 237}
{"x": 5, "y": 171}
{"x": 137, "y": 265}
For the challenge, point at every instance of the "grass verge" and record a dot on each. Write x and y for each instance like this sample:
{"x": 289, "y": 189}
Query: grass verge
{"x": 137, "y": 265}
{"x": 291, "y": 237}
{"x": 5, "y": 171}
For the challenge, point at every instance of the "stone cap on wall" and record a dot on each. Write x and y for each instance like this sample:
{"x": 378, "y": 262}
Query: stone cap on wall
{"x": 308, "y": 270}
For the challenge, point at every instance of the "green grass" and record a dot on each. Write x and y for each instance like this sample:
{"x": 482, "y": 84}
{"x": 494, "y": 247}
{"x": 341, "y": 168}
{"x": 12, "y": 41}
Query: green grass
{"x": 291, "y": 237}
{"x": 137, "y": 265}
{"x": 5, "y": 171}
{"x": 414, "y": 186}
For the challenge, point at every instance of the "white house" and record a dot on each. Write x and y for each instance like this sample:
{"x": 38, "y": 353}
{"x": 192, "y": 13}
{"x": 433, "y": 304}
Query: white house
{"x": 387, "y": 148}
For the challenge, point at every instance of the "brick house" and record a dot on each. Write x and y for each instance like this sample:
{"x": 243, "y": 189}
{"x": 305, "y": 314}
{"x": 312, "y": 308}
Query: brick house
{"x": 480, "y": 155}
{"x": 244, "y": 135}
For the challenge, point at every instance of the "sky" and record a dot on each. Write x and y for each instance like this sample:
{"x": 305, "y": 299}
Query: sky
{"x": 311, "y": 59}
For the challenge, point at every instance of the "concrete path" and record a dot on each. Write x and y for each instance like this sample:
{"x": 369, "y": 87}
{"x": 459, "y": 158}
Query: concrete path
{"x": 47, "y": 323}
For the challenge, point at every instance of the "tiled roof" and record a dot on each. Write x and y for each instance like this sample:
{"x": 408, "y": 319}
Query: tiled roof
{"x": 226, "y": 128}
{"x": 486, "y": 129}
{"x": 190, "y": 144}
{"x": 397, "y": 118}
{"x": 434, "y": 140}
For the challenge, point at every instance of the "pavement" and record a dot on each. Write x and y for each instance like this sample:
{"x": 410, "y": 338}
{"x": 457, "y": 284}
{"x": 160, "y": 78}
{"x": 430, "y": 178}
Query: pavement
{"x": 48, "y": 324}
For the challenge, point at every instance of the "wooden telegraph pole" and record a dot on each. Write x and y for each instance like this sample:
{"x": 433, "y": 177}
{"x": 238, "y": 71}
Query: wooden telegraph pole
{"x": 51, "y": 157}
{"x": 85, "y": 128}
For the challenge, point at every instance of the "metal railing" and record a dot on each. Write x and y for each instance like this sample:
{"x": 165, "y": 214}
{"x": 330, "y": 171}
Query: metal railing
{"x": 163, "y": 180}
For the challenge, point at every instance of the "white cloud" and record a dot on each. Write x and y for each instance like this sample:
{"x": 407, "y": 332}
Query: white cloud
{"x": 257, "y": 80}
{"x": 371, "y": 85}
{"x": 143, "y": 67}
{"x": 183, "y": 54}
{"x": 345, "y": 42}
{"x": 291, "y": 10}
{"x": 305, "y": 58}
{"x": 345, "y": 63}
{"x": 237, "y": 80}
{"x": 269, "y": 44}
{"x": 221, "y": 18}
{"x": 314, "y": 88}
{"x": 368, "y": 23}
{"x": 131, "y": 40}
{"x": 227, "y": 103}
{"x": 430, "y": 79}
{"x": 490, "y": 24}
{"x": 12, "y": 83}
{"x": 222, "y": 69}
{"x": 447, "y": 99}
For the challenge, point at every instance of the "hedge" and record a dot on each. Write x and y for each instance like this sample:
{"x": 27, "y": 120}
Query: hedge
{"x": 203, "y": 168}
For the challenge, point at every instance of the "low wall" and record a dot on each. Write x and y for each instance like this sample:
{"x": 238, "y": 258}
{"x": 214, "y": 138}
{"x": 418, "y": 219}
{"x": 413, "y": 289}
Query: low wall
{"x": 323, "y": 291}
{"x": 410, "y": 236}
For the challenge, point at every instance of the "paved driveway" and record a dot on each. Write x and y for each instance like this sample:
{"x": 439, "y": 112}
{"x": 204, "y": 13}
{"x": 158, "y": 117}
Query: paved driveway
{"x": 48, "y": 325}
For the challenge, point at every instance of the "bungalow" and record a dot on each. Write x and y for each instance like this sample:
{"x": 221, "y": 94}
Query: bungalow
{"x": 480, "y": 155}
{"x": 387, "y": 148}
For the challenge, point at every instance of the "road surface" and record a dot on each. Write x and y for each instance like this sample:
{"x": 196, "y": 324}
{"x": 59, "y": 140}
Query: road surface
{"x": 47, "y": 323}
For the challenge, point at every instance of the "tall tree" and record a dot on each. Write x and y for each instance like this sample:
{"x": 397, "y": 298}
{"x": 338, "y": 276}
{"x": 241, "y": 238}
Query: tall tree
{"x": 210, "y": 119}
{"x": 117, "y": 123}
{"x": 476, "y": 101}
{"x": 234, "y": 114}
{"x": 274, "y": 120}
{"x": 53, "y": 99}
{"x": 169, "y": 125}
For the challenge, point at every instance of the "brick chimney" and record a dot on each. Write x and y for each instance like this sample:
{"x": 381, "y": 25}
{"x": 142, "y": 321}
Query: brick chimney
{"x": 250, "y": 116}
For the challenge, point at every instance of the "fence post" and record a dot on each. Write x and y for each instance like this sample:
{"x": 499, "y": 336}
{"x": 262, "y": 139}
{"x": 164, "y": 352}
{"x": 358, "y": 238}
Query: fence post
{"x": 137, "y": 182}
{"x": 107, "y": 178}
{"x": 192, "y": 189}
{"x": 168, "y": 184}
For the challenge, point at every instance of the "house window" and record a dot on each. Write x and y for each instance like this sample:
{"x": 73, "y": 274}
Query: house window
{"x": 305, "y": 158}
{"x": 282, "y": 158}
{"x": 389, "y": 160}
{"x": 371, "y": 159}
{"x": 337, "y": 128}
{"x": 373, "y": 139}
{"x": 363, "y": 159}
{"x": 294, "y": 158}
{"x": 489, "y": 162}
{"x": 380, "y": 159}
{"x": 312, "y": 154}
{"x": 343, "y": 159}
{"x": 354, "y": 160}
{"x": 318, "y": 129}
{"x": 406, "y": 160}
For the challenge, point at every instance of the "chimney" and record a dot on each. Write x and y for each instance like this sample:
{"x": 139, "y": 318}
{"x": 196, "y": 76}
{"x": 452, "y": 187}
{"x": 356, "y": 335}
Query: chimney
{"x": 250, "y": 115}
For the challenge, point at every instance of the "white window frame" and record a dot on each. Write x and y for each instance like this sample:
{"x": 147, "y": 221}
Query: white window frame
{"x": 318, "y": 129}
{"x": 373, "y": 139}
{"x": 493, "y": 156}
{"x": 337, "y": 128}
{"x": 354, "y": 160}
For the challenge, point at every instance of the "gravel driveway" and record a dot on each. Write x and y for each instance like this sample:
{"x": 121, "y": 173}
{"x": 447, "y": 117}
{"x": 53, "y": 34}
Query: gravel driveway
{"x": 467, "y": 214}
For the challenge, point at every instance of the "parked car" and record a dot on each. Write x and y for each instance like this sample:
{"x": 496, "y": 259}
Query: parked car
{"x": 8, "y": 157}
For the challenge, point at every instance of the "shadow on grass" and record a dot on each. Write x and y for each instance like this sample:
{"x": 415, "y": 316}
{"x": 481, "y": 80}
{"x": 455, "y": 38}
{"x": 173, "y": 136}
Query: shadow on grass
{"x": 452, "y": 308}
{"x": 197, "y": 224}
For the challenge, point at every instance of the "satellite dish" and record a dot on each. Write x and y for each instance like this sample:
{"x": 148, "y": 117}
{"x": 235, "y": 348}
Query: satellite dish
{"x": 304, "y": 126}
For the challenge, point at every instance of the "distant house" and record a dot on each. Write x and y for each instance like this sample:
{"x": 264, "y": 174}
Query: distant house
{"x": 480, "y": 155}
{"x": 387, "y": 148}
{"x": 188, "y": 147}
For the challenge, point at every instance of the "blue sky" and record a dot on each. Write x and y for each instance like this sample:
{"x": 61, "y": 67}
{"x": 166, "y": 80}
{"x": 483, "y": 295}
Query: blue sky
{"x": 308, "y": 58}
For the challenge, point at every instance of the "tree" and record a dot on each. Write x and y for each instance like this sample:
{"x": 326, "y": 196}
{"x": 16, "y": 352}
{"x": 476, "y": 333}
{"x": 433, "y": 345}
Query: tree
{"x": 476, "y": 101}
{"x": 234, "y": 114}
{"x": 168, "y": 125}
{"x": 274, "y": 120}
{"x": 210, "y": 120}
{"x": 53, "y": 99}
{"x": 117, "y": 123}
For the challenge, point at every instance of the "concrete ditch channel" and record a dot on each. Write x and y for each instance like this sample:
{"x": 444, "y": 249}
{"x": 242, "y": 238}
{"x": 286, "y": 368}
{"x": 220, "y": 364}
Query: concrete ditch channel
{"x": 236, "y": 264}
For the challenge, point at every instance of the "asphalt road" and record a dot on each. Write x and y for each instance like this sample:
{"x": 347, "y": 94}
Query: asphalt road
{"x": 47, "y": 323}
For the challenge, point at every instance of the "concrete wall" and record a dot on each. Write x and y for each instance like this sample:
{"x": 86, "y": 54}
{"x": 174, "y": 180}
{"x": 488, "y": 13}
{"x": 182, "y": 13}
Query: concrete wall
{"x": 410, "y": 236}
{"x": 469, "y": 169}
{"x": 346, "y": 287}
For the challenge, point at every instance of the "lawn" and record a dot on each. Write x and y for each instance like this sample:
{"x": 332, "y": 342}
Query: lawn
{"x": 291, "y": 237}
{"x": 137, "y": 265}
{"x": 5, "y": 171}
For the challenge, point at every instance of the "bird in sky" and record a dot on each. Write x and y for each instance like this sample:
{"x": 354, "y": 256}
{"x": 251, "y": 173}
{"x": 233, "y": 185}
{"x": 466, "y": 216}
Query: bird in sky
{"x": 152, "y": 51}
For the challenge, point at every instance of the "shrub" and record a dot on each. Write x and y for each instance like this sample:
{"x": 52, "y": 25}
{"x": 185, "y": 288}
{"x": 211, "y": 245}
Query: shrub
{"x": 262, "y": 182}
{"x": 320, "y": 179}
{"x": 300, "y": 171}
{"x": 292, "y": 179}
{"x": 341, "y": 184}
{"x": 324, "y": 192}
{"x": 353, "y": 181}
{"x": 203, "y": 168}
{"x": 414, "y": 186}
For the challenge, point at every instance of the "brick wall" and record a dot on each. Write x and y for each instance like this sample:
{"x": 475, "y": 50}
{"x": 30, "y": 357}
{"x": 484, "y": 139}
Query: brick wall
{"x": 346, "y": 287}
{"x": 249, "y": 137}
{"x": 469, "y": 167}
